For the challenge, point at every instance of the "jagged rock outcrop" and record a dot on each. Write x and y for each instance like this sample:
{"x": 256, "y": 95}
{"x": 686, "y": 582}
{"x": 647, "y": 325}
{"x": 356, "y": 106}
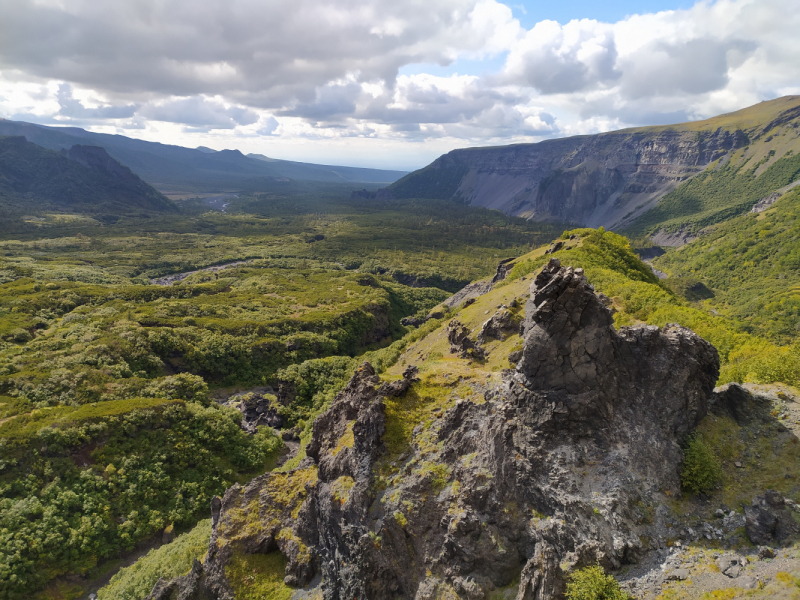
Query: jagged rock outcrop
{"x": 557, "y": 468}
{"x": 469, "y": 293}
{"x": 400, "y": 387}
{"x": 765, "y": 202}
{"x": 503, "y": 269}
{"x": 502, "y": 324}
{"x": 257, "y": 410}
{"x": 460, "y": 342}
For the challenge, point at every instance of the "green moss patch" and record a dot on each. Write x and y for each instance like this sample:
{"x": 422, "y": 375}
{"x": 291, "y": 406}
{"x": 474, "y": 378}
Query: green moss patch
{"x": 258, "y": 576}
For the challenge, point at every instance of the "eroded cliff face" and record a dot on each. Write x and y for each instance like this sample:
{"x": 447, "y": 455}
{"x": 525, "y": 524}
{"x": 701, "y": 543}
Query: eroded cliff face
{"x": 607, "y": 179}
{"x": 558, "y": 466}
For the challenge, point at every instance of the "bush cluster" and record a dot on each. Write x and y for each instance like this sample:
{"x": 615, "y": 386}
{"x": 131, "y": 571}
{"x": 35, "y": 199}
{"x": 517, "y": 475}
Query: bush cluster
{"x": 591, "y": 583}
{"x": 701, "y": 470}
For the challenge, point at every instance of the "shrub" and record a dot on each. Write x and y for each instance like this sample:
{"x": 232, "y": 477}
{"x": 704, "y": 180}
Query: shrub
{"x": 591, "y": 583}
{"x": 701, "y": 469}
{"x": 169, "y": 561}
{"x": 183, "y": 386}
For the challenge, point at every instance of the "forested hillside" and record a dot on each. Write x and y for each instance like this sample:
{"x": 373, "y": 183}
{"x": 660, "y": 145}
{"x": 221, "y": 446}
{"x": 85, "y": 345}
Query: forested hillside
{"x": 194, "y": 169}
{"x": 751, "y": 265}
{"x": 84, "y": 179}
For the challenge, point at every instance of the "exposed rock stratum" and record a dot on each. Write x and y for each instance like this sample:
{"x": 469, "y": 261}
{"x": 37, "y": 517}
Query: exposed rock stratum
{"x": 558, "y": 468}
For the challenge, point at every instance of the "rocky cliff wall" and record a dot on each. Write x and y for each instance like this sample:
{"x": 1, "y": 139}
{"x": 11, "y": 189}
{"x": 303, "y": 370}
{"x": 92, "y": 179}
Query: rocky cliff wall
{"x": 604, "y": 179}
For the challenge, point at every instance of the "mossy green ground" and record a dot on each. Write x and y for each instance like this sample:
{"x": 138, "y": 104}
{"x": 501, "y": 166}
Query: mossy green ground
{"x": 96, "y": 334}
{"x": 258, "y": 576}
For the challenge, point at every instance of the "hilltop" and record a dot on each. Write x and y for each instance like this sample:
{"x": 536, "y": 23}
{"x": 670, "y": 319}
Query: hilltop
{"x": 78, "y": 179}
{"x": 171, "y": 168}
{"x": 670, "y": 177}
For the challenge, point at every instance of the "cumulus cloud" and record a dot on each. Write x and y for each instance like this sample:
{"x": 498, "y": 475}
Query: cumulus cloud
{"x": 556, "y": 59}
{"x": 268, "y": 127}
{"x": 73, "y": 108}
{"x": 328, "y": 69}
{"x": 262, "y": 53}
{"x": 199, "y": 112}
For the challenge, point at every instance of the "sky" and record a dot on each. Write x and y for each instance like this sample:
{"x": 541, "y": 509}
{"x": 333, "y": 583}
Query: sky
{"x": 387, "y": 83}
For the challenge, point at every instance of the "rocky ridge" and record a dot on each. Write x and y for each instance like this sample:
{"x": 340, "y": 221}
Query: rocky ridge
{"x": 558, "y": 466}
{"x": 609, "y": 179}
{"x": 588, "y": 180}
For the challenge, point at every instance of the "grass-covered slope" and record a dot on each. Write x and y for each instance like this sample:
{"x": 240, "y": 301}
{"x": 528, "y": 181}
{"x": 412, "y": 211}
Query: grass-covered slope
{"x": 730, "y": 186}
{"x": 173, "y": 560}
{"x": 723, "y": 191}
{"x": 610, "y": 265}
{"x": 751, "y": 264}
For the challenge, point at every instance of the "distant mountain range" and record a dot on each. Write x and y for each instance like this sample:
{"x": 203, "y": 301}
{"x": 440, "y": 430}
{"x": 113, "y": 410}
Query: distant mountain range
{"x": 81, "y": 179}
{"x": 175, "y": 168}
{"x": 643, "y": 180}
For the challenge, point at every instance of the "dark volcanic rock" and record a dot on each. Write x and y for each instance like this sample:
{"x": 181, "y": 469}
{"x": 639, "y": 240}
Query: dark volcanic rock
{"x": 400, "y": 387}
{"x": 503, "y": 269}
{"x": 461, "y": 343}
{"x": 468, "y": 293}
{"x": 257, "y": 410}
{"x": 413, "y": 321}
{"x": 502, "y": 324}
{"x": 767, "y": 520}
{"x": 738, "y": 403}
{"x": 556, "y": 469}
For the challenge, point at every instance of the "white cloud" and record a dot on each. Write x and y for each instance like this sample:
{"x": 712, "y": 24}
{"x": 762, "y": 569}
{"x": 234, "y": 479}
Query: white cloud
{"x": 327, "y": 70}
{"x": 199, "y": 112}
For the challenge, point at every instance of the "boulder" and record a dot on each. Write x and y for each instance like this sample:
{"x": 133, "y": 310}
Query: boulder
{"x": 400, "y": 387}
{"x": 731, "y": 565}
{"x": 461, "y": 343}
{"x": 257, "y": 410}
{"x": 501, "y": 325}
{"x": 735, "y": 402}
{"x": 413, "y": 321}
{"x": 768, "y": 520}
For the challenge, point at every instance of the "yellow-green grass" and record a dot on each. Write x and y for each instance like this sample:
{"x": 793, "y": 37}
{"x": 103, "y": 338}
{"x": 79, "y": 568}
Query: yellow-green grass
{"x": 768, "y": 452}
{"x": 258, "y": 576}
{"x": 169, "y": 561}
{"x": 746, "y": 118}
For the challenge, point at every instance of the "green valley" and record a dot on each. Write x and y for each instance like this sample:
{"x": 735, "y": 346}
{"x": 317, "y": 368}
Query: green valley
{"x": 141, "y": 337}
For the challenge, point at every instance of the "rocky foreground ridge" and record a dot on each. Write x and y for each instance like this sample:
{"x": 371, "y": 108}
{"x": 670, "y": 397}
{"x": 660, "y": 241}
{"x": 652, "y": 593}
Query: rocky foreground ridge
{"x": 559, "y": 467}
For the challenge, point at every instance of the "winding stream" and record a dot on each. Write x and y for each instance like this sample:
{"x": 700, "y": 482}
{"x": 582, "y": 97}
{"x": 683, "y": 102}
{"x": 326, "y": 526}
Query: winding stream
{"x": 175, "y": 277}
